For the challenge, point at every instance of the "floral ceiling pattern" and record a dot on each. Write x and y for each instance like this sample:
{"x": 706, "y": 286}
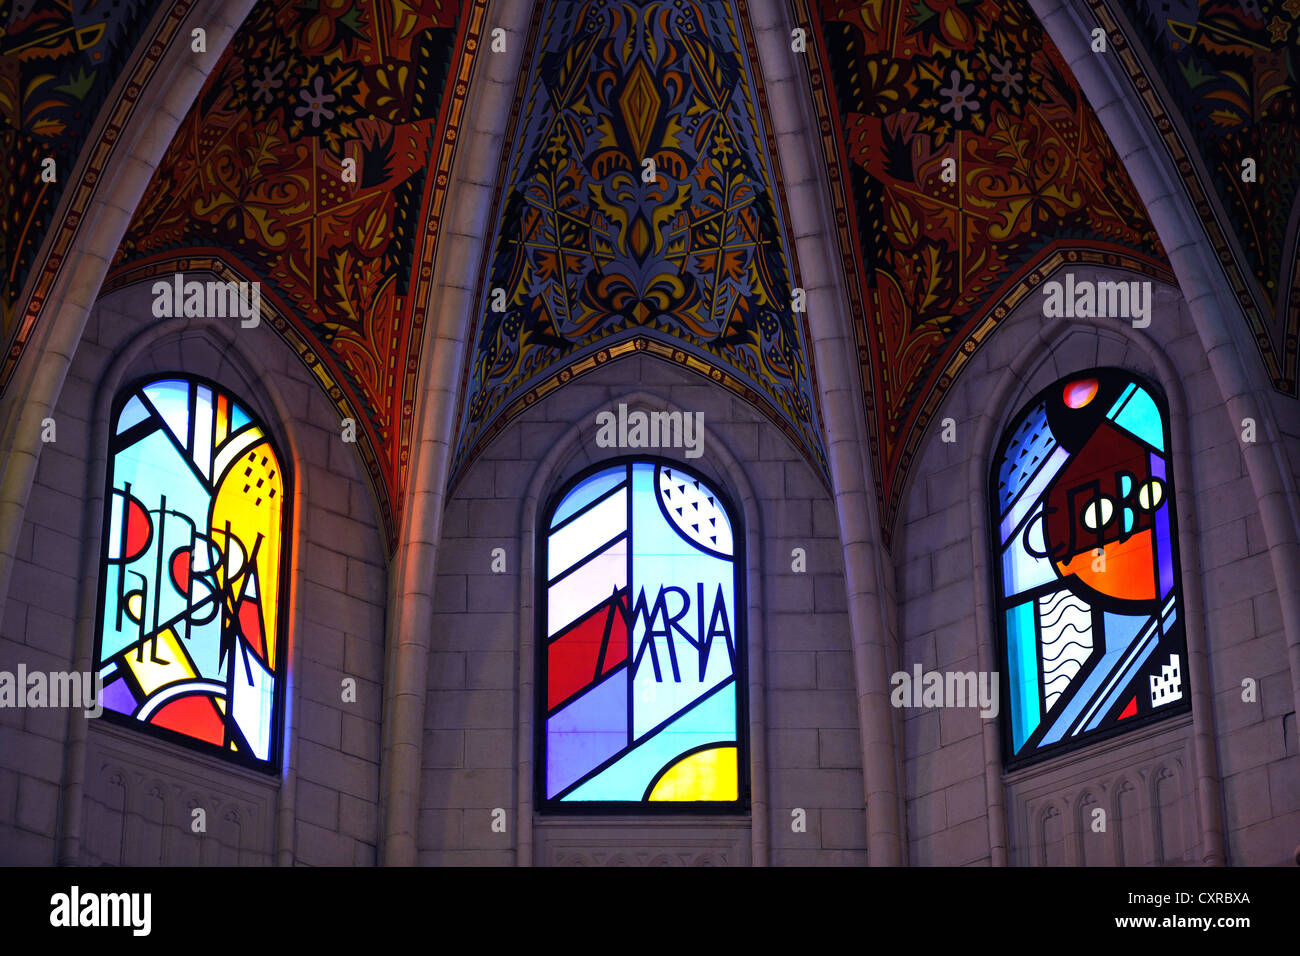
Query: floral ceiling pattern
{"x": 254, "y": 184}
{"x": 901, "y": 86}
{"x": 59, "y": 60}
{"x": 1229, "y": 73}
{"x": 592, "y": 258}
{"x": 640, "y": 212}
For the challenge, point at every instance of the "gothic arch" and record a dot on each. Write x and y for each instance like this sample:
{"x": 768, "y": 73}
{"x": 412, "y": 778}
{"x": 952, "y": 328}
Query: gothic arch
{"x": 1045, "y": 360}
{"x": 566, "y": 458}
{"x": 211, "y": 349}
{"x": 58, "y": 315}
{"x": 276, "y": 388}
{"x": 1217, "y": 314}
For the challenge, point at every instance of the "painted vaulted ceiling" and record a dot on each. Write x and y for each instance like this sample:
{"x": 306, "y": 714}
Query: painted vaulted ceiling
{"x": 252, "y": 185}
{"x": 695, "y": 266}
{"x": 596, "y": 257}
{"x": 902, "y": 85}
{"x": 59, "y": 61}
{"x": 1228, "y": 75}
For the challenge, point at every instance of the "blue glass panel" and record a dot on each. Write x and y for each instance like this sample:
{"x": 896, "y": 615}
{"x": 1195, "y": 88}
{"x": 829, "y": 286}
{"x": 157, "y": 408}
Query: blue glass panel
{"x": 678, "y": 638}
{"x": 587, "y": 491}
{"x": 133, "y": 413}
{"x": 1023, "y": 649}
{"x": 587, "y": 732}
{"x": 172, "y": 400}
{"x": 1136, "y": 412}
{"x": 711, "y": 721}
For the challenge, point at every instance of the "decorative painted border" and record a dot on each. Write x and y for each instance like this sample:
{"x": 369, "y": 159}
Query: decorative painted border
{"x": 792, "y": 253}
{"x": 388, "y": 484}
{"x": 1282, "y": 369}
{"x": 1013, "y": 290}
{"x": 462, "y": 458}
{"x": 274, "y": 312}
{"x": 592, "y": 360}
{"x": 93, "y": 161}
{"x": 471, "y": 32}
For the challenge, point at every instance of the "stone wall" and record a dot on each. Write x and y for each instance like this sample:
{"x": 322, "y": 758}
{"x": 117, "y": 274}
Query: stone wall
{"x": 139, "y": 791}
{"x": 805, "y": 708}
{"x": 940, "y": 594}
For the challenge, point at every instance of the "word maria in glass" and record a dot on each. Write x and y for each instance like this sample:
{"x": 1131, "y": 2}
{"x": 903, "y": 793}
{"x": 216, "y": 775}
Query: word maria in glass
{"x": 643, "y": 653}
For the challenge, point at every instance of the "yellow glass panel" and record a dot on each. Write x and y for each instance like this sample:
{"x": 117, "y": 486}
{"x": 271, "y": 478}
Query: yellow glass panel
{"x": 153, "y": 675}
{"x": 250, "y": 499}
{"x": 704, "y": 775}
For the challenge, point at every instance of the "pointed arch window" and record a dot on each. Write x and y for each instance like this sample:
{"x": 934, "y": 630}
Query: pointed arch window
{"x": 189, "y": 639}
{"x": 641, "y": 646}
{"x": 1086, "y": 572}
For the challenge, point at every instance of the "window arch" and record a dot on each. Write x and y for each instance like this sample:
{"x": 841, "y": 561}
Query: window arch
{"x": 641, "y": 646}
{"x": 1086, "y": 575}
{"x": 188, "y": 641}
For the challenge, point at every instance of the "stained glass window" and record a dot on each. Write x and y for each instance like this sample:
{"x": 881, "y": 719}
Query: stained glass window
{"x": 1086, "y": 572}
{"x": 642, "y": 660}
{"x": 189, "y": 637}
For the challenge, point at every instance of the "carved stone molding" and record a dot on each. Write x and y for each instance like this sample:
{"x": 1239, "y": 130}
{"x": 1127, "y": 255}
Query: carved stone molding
{"x": 140, "y": 799}
{"x": 1130, "y": 803}
{"x": 666, "y": 843}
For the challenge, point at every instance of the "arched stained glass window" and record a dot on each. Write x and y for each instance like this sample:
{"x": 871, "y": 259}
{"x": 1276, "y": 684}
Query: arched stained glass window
{"x": 642, "y": 643}
{"x": 1086, "y": 571}
{"x": 189, "y": 643}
